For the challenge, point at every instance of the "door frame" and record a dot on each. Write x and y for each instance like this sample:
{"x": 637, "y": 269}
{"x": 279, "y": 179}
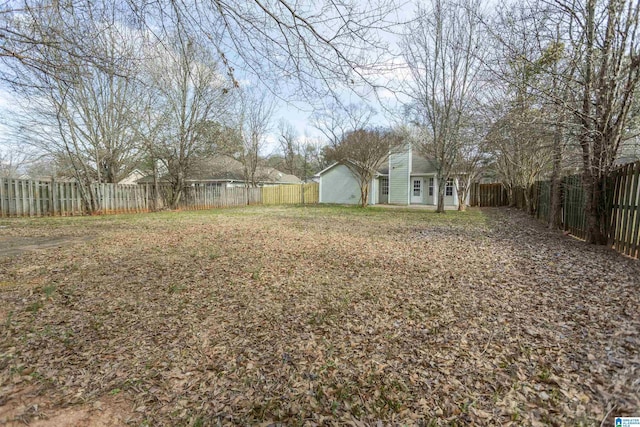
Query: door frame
{"x": 420, "y": 198}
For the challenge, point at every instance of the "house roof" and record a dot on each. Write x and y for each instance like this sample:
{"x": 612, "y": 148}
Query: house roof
{"x": 419, "y": 165}
{"x": 422, "y": 165}
{"x": 331, "y": 166}
{"x": 226, "y": 168}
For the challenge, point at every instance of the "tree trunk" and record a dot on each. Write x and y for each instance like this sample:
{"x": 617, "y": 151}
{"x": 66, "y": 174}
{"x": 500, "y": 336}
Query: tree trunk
{"x": 364, "y": 194}
{"x": 555, "y": 207}
{"x": 528, "y": 205}
{"x": 596, "y": 232}
{"x": 511, "y": 196}
{"x": 177, "y": 191}
{"x": 462, "y": 197}
{"x": 441, "y": 191}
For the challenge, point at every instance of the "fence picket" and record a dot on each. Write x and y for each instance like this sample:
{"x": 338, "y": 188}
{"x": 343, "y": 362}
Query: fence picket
{"x": 635, "y": 235}
{"x": 632, "y": 177}
{"x": 2, "y": 195}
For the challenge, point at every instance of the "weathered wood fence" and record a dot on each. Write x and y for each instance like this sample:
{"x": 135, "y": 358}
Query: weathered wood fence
{"x": 21, "y": 197}
{"x": 622, "y": 205}
{"x": 200, "y": 196}
{"x": 488, "y": 195}
{"x": 625, "y": 214}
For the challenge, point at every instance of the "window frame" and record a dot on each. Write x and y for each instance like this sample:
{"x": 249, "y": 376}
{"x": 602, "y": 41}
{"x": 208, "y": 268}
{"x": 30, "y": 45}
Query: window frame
{"x": 419, "y": 187}
{"x": 384, "y": 186}
{"x": 448, "y": 189}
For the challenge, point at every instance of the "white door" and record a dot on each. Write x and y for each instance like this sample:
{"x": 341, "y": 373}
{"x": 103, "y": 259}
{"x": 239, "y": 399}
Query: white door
{"x": 417, "y": 188}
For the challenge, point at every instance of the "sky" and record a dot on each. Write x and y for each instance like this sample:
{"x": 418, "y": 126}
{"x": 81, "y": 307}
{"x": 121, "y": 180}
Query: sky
{"x": 296, "y": 113}
{"x": 7, "y": 105}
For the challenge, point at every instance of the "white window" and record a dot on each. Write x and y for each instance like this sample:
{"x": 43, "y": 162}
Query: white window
{"x": 416, "y": 187}
{"x": 448, "y": 190}
{"x": 431, "y": 186}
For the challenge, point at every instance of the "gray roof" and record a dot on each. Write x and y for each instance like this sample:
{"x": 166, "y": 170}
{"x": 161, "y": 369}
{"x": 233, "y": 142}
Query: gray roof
{"x": 422, "y": 165}
{"x": 419, "y": 165}
{"x": 226, "y": 168}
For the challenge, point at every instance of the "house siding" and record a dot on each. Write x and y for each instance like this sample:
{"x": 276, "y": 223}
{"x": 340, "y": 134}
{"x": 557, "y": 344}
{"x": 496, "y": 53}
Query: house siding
{"x": 339, "y": 186}
{"x": 399, "y": 167}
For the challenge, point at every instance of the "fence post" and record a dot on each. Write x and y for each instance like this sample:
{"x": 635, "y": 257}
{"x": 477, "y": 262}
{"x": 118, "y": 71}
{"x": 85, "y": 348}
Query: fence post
{"x": 52, "y": 197}
{"x": 2, "y": 203}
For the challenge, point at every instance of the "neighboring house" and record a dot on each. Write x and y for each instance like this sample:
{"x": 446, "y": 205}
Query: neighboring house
{"x": 406, "y": 178}
{"x": 229, "y": 172}
{"x": 133, "y": 177}
{"x": 629, "y": 151}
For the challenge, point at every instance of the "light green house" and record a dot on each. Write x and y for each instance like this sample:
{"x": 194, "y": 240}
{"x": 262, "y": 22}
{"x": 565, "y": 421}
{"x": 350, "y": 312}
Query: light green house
{"x": 406, "y": 178}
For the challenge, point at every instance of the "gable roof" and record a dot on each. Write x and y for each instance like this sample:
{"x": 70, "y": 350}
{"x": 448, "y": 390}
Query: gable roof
{"x": 385, "y": 164}
{"x": 328, "y": 168}
{"x": 421, "y": 164}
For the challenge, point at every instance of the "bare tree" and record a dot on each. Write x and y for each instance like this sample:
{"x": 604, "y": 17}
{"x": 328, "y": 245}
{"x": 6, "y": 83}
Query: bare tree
{"x": 520, "y": 145}
{"x": 592, "y": 88}
{"x": 605, "y": 42}
{"x": 85, "y": 113}
{"x": 313, "y": 159}
{"x": 255, "y": 115}
{"x": 471, "y": 153}
{"x": 441, "y": 49}
{"x": 310, "y": 46}
{"x": 363, "y": 151}
{"x": 35, "y": 33}
{"x": 307, "y": 45}
{"x": 289, "y": 146}
{"x": 337, "y": 120}
{"x": 195, "y": 101}
{"x": 11, "y": 162}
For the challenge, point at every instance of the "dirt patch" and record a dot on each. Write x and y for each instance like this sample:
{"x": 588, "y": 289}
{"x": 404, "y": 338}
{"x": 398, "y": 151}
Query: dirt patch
{"x": 28, "y": 408}
{"x": 16, "y": 245}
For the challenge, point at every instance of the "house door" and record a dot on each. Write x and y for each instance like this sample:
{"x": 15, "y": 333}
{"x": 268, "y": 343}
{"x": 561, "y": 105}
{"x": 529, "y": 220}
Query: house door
{"x": 416, "y": 190}
{"x": 383, "y": 196}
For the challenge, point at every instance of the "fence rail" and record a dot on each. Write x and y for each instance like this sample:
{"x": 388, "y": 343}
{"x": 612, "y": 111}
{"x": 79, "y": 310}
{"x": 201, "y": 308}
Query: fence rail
{"x": 22, "y": 197}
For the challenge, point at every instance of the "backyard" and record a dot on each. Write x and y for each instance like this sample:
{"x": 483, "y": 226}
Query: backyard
{"x": 313, "y": 315}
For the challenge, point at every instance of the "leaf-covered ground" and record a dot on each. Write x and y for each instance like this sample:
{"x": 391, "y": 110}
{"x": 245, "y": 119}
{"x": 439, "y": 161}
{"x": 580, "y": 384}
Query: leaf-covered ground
{"x": 315, "y": 316}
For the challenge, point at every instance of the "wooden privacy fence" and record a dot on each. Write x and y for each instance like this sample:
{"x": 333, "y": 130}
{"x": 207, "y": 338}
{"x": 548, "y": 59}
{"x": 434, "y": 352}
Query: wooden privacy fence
{"x": 623, "y": 196}
{"x": 625, "y": 215}
{"x": 22, "y": 197}
{"x": 488, "y": 195}
{"x": 200, "y": 196}
{"x": 291, "y": 194}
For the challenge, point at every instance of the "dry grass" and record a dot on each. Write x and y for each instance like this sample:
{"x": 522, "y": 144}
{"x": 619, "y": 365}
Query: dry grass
{"x": 313, "y": 316}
